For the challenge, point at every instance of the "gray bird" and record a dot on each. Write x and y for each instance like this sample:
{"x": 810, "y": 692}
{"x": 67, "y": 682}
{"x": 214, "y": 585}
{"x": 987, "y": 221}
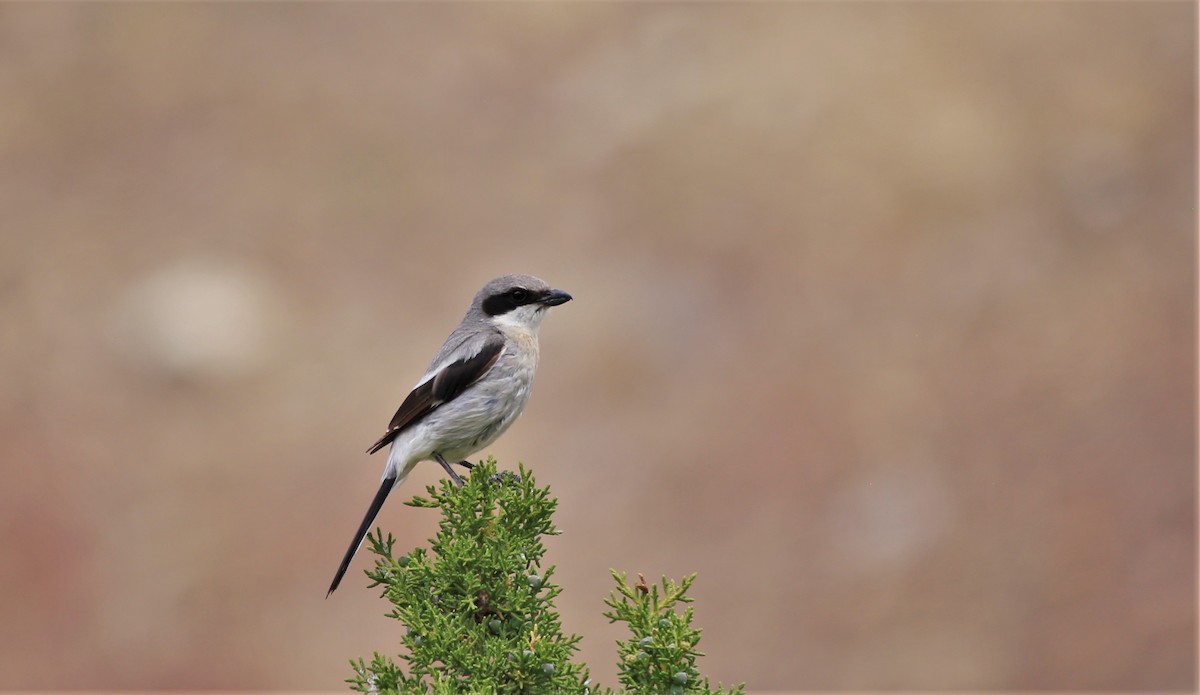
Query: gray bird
{"x": 476, "y": 386}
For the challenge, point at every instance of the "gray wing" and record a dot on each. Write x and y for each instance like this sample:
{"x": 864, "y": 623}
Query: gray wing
{"x": 446, "y": 385}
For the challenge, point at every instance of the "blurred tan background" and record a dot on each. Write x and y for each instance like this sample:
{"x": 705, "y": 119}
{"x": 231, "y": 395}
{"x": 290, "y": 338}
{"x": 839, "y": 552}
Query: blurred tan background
{"x": 884, "y": 324}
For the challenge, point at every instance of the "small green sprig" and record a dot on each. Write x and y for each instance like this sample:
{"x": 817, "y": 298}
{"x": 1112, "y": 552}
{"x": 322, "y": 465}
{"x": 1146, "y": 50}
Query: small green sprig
{"x": 660, "y": 656}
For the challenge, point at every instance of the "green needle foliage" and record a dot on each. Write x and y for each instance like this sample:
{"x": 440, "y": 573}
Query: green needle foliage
{"x": 660, "y": 657}
{"x": 478, "y": 605}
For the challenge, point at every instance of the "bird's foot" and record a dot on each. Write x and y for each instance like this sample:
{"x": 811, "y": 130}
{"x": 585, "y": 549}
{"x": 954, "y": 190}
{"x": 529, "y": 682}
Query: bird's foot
{"x": 449, "y": 470}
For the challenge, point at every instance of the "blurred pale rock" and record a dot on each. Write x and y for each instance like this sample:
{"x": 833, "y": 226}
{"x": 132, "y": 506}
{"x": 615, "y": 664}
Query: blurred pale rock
{"x": 889, "y": 519}
{"x": 199, "y": 319}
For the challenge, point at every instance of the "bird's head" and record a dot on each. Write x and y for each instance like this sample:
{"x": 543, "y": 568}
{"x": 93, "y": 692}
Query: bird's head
{"x": 519, "y": 301}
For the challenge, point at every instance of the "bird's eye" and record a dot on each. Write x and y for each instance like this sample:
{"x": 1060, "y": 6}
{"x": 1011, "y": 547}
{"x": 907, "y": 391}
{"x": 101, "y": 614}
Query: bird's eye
{"x": 519, "y": 294}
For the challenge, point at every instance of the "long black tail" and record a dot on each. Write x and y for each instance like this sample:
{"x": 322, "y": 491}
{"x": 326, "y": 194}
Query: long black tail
{"x": 361, "y": 533}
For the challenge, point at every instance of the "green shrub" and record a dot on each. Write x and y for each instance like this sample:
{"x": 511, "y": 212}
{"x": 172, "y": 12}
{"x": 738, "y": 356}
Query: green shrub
{"x": 478, "y": 605}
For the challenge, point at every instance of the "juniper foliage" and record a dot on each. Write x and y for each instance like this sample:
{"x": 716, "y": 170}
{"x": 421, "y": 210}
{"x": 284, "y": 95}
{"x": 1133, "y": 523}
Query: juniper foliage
{"x": 478, "y": 604}
{"x": 660, "y": 656}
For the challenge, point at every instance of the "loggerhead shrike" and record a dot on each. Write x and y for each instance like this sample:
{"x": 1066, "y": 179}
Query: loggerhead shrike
{"x": 474, "y": 389}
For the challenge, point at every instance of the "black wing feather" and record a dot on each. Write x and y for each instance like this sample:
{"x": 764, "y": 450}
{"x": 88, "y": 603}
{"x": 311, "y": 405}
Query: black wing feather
{"x": 445, "y": 386}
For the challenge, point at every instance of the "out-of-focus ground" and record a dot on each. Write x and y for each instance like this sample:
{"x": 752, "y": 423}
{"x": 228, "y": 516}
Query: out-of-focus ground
{"x": 884, "y": 324}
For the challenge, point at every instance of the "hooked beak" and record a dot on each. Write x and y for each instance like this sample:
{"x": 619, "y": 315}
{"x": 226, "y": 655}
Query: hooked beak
{"x": 554, "y": 298}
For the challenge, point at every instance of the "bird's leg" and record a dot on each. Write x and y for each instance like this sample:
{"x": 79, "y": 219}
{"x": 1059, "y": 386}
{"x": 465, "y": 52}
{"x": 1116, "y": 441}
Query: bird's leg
{"x": 453, "y": 476}
{"x": 466, "y": 464}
